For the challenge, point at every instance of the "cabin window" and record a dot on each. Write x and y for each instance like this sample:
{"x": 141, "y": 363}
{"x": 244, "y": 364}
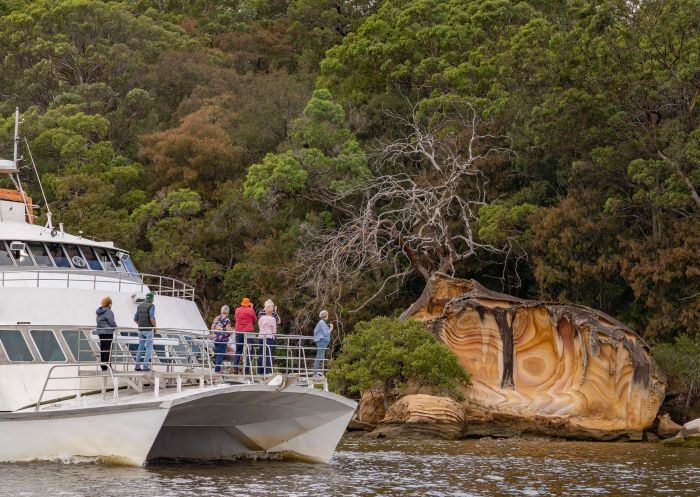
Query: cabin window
{"x": 47, "y": 345}
{"x": 59, "y": 256}
{"x": 91, "y": 258}
{"x": 6, "y": 258}
{"x": 105, "y": 259}
{"x": 118, "y": 262}
{"x": 15, "y": 346}
{"x": 79, "y": 345}
{"x": 41, "y": 256}
{"x": 126, "y": 262}
{"x": 76, "y": 257}
{"x": 24, "y": 257}
{"x": 130, "y": 266}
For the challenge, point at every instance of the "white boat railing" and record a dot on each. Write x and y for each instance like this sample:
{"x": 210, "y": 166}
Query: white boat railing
{"x": 180, "y": 357}
{"x": 97, "y": 280}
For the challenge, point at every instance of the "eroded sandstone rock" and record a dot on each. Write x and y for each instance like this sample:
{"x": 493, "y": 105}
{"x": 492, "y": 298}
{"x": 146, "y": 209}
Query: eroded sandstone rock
{"x": 423, "y": 416}
{"x": 689, "y": 436}
{"x": 544, "y": 368}
{"x": 372, "y": 407}
{"x": 691, "y": 429}
{"x": 667, "y": 427}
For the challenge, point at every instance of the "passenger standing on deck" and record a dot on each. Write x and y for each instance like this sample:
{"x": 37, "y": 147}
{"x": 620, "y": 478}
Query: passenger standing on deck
{"x": 268, "y": 329}
{"x": 221, "y": 326}
{"x": 245, "y": 319}
{"x": 105, "y": 330}
{"x": 145, "y": 319}
{"x": 263, "y": 311}
{"x": 322, "y": 337}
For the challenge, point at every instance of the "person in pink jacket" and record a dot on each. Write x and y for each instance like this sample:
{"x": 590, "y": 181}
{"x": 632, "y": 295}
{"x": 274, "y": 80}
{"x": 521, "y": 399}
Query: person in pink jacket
{"x": 245, "y": 319}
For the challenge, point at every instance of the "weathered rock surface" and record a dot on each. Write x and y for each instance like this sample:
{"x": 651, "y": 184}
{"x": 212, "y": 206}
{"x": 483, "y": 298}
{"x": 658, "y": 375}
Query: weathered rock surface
{"x": 543, "y": 368}
{"x": 691, "y": 429}
{"x": 372, "y": 407}
{"x": 689, "y": 436}
{"x": 667, "y": 427}
{"x": 423, "y": 416}
{"x": 356, "y": 425}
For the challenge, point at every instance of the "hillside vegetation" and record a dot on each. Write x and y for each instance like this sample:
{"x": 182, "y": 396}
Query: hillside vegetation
{"x": 339, "y": 152}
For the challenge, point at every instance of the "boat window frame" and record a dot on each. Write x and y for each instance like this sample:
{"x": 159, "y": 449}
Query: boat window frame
{"x": 95, "y": 354}
{"x": 80, "y": 254}
{"x": 65, "y": 254}
{"x": 46, "y": 250}
{"x": 118, "y": 262}
{"x": 38, "y": 349}
{"x": 106, "y": 251}
{"x": 26, "y": 344}
{"x": 135, "y": 271}
{"x": 9, "y": 253}
{"x": 82, "y": 248}
{"x": 29, "y": 255}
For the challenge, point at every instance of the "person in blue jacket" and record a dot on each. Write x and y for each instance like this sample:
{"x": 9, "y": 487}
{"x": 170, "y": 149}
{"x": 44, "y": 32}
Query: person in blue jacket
{"x": 105, "y": 330}
{"x": 322, "y": 337}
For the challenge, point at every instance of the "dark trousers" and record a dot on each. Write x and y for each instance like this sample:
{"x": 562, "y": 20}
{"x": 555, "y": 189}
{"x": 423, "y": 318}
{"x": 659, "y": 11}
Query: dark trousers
{"x": 266, "y": 349}
{"x": 240, "y": 340}
{"x": 219, "y": 354}
{"x": 105, "y": 348}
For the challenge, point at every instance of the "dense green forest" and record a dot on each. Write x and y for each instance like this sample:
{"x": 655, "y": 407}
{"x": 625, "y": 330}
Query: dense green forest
{"x": 340, "y": 152}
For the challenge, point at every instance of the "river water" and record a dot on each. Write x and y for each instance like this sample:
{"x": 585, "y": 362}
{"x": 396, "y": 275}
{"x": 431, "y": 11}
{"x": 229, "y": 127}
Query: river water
{"x": 362, "y": 467}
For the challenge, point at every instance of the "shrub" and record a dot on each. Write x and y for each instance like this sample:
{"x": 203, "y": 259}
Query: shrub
{"x": 680, "y": 361}
{"x": 390, "y": 354}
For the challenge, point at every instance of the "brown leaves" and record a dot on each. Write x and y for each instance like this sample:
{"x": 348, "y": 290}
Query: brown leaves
{"x": 197, "y": 154}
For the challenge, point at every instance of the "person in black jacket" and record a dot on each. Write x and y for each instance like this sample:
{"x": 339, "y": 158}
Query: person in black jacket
{"x": 105, "y": 329}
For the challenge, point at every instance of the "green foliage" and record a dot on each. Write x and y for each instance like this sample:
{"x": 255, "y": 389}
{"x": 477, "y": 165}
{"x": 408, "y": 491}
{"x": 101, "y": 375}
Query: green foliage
{"x": 498, "y": 221}
{"x": 391, "y": 354}
{"x": 324, "y": 156}
{"x": 239, "y": 282}
{"x": 316, "y": 25}
{"x": 187, "y": 132}
{"x": 680, "y": 360}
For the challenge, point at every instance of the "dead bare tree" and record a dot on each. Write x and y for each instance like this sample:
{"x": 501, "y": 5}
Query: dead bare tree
{"x": 418, "y": 215}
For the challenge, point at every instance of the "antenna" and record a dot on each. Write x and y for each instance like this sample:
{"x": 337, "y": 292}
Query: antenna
{"x": 16, "y": 160}
{"x": 49, "y": 224}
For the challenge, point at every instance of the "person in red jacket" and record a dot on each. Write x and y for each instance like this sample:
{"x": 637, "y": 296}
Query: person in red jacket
{"x": 245, "y": 319}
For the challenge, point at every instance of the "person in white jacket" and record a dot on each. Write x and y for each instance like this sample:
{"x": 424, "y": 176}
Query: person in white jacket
{"x": 267, "y": 324}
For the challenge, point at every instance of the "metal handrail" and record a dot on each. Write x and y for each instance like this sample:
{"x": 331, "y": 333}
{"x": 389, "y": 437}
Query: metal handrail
{"x": 142, "y": 282}
{"x": 78, "y": 390}
{"x": 178, "y": 353}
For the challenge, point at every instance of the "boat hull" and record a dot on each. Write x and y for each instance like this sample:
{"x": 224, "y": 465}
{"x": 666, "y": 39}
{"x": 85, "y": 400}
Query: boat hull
{"x": 254, "y": 420}
{"x": 115, "y": 434}
{"x": 215, "y": 423}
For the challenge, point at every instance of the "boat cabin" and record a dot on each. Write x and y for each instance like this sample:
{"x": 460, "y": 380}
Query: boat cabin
{"x": 60, "y": 255}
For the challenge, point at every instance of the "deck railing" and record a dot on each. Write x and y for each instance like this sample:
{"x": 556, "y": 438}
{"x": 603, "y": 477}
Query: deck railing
{"x": 97, "y": 280}
{"x": 179, "y": 356}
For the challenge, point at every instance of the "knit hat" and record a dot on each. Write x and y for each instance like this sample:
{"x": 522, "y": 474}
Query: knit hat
{"x": 246, "y": 302}
{"x": 149, "y": 296}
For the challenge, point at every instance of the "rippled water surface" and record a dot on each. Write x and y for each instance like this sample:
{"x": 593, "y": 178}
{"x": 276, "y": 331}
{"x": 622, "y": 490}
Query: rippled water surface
{"x": 372, "y": 467}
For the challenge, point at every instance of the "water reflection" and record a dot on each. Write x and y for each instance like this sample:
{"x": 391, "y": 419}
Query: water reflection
{"x": 369, "y": 467}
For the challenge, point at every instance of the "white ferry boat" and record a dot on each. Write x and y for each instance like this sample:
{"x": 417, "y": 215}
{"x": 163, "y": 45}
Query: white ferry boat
{"x": 57, "y": 402}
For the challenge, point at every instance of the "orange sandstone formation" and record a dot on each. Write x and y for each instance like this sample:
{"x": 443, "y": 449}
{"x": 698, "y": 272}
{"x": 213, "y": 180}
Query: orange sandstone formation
{"x": 543, "y": 368}
{"x": 423, "y": 416}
